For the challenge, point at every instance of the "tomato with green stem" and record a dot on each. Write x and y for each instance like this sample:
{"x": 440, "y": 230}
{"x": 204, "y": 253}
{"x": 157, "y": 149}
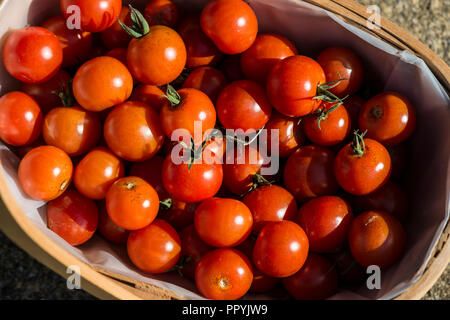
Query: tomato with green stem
{"x": 209, "y": 80}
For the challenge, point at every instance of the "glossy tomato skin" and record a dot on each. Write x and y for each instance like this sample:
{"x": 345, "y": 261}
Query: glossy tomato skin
{"x": 157, "y": 58}
{"x": 376, "y": 238}
{"x": 280, "y": 249}
{"x": 101, "y": 83}
{"x": 161, "y": 12}
{"x": 151, "y": 95}
{"x": 208, "y": 80}
{"x": 20, "y": 119}
{"x": 230, "y": 24}
{"x": 108, "y": 229}
{"x": 96, "y": 15}
{"x": 155, "y": 248}
{"x": 243, "y": 105}
{"x": 223, "y": 274}
{"x": 115, "y": 36}
{"x": 223, "y": 222}
{"x": 150, "y": 170}
{"x": 180, "y": 215}
{"x": 326, "y": 221}
{"x": 360, "y": 175}
{"x": 316, "y": 280}
{"x": 309, "y": 173}
{"x": 192, "y": 248}
{"x": 76, "y": 44}
{"x": 96, "y": 172}
{"x": 388, "y": 118}
{"x": 73, "y": 217}
{"x": 265, "y": 52}
{"x": 292, "y": 85}
{"x": 133, "y": 132}
{"x": 342, "y": 63}
{"x": 45, "y": 173}
{"x": 32, "y": 54}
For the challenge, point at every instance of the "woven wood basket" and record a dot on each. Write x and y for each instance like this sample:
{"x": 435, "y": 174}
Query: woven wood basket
{"x": 106, "y": 285}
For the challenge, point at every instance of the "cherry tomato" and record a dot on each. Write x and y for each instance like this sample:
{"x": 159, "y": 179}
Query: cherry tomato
{"x": 108, "y": 229}
{"x": 280, "y": 249}
{"x": 115, "y": 36}
{"x": 342, "y": 63}
{"x": 265, "y": 52}
{"x": 121, "y": 55}
{"x": 155, "y": 248}
{"x": 96, "y": 15}
{"x": 150, "y": 170}
{"x": 96, "y": 172}
{"x": 309, "y": 173}
{"x": 353, "y": 104}
{"x": 101, "y": 83}
{"x": 180, "y": 215}
{"x": 230, "y": 24}
{"x": 316, "y": 280}
{"x": 193, "y": 248}
{"x": 45, "y": 173}
{"x": 231, "y": 68}
{"x": 388, "y": 118}
{"x": 76, "y": 44}
{"x": 208, "y": 80}
{"x": 20, "y": 119}
{"x": 376, "y": 238}
{"x": 133, "y": 132}
{"x": 223, "y": 274}
{"x": 293, "y": 83}
{"x": 163, "y": 12}
{"x": 32, "y": 54}
{"x": 72, "y": 217}
{"x": 243, "y": 105}
{"x": 326, "y": 221}
{"x": 151, "y": 95}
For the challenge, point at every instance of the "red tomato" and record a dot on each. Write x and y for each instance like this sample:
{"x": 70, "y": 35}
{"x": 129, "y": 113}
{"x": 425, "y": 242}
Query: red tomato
{"x": 231, "y": 68}
{"x": 163, "y": 12}
{"x": 20, "y": 119}
{"x": 32, "y": 54}
{"x": 223, "y": 222}
{"x": 243, "y": 105}
{"x": 115, "y": 36}
{"x": 265, "y": 52}
{"x": 96, "y": 172}
{"x": 73, "y": 217}
{"x": 326, "y": 221}
{"x": 45, "y": 173}
{"x": 353, "y": 104}
{"x": 309, "y": 173}
{"x": 180, "y": 215}
{"x": 293, "y": 83}
{"x": 155, "y": 248}
{"x": 376, "y": 238}
{"x": 208, "y": 80}
{"x": 230, "y": 24}
{"x": 388, "y": 118}
{"x": 193, "y": 248}
{"x": 342, "y": 63}
{"x": 150, "y": 170}
{"x": 316, "y": 280}
{"x": 133, "y": 132}
{"x": 96, "y": 15}
{"x": 151, "y": 95}
{"x": 108, "y": 229}
{"x": 101, "y": 83}
{"x": 280, "y": 249}
{"x": 223, "y": 274}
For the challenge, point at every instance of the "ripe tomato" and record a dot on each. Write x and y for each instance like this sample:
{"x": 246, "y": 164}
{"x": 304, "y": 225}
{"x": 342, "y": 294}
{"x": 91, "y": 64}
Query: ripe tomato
{"x": 208, "y": 80}
{"x": 293, "y": 83}
{"x": 108, "y": 229}
{"x": 230, "y": 24}
{"x": 115, "y": 36}
{"x": 96, "y": 15}
{"x": 96, "y": 172}
{"x": 32, "y": 54}
{"x": 72, "y": 129}
{"x": 150, "y": 170}
{"x": 45, "y": 173}
{"x": 223, "y": 274}
{"x": 362, "y": 166}
{"x": 155, "y": 248}
{"x": 101, "y": 83}
{"x": 334, "y": 125}
{"x": 376, "y": 238}
{"x": 223, "y": 222}
{"x": 151, "y": 95}
{"x": 243, "y": 105}
{"x": 76, "y": 44}
{"x": 280, "y": 249}
{"x": 309, "y": 173}
{"x": 231, "y": 68}
{"x": 388, "y": 118}
{"x": 342, "y": 63}
{"x": 193, "y": 248}
{"x": 180, "y": 215}
{"x": 73, "y": 217}
{"x": 270, "y": 203}
{"x": 353, "y": 104}
{"x": 20, "y": 119}
{"x": 326, "y": 221}
{"x": 265, "y": 52}
{"x": 133, "y": 132}
{"x": 162, "y": 12}
{"x": 316, "y": 280}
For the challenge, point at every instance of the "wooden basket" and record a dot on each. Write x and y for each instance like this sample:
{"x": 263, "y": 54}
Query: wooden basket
{"x": 105, "y": 285}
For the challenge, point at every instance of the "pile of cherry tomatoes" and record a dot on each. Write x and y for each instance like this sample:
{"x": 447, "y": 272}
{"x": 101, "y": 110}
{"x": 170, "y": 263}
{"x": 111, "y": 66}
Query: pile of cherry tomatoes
{"x": 93, "y": 120}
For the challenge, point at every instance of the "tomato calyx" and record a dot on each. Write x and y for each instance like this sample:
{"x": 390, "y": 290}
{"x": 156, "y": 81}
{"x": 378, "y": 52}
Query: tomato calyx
{"x": 196, "y": 153}
{"x": 376, "y": 112}
{"x": 358, "y": 146}
{"x": 173, "y": 96}
{"x": 165, "y": 204}
{"x": 257, "y": 181}
{"x": 322, "y": 114}
{"x": 65, "y": 94}
{"x": 324, "y": 93}
{"x": 140, "y": 26}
